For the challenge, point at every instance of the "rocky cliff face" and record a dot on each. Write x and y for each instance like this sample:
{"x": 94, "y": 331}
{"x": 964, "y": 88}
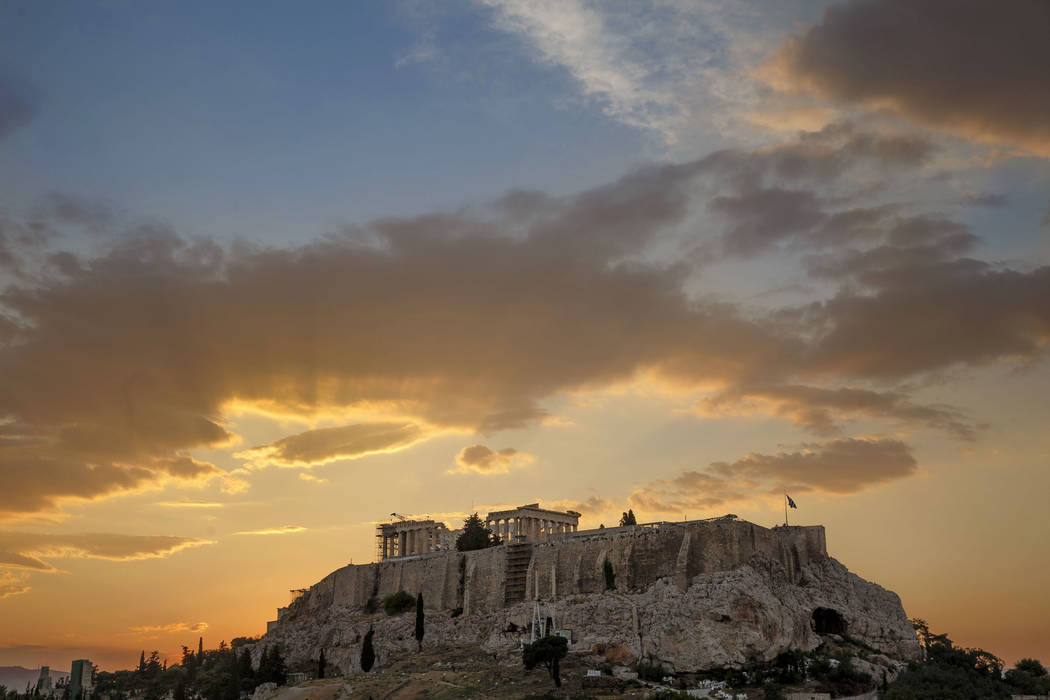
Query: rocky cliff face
{"x": 745, "y": 615}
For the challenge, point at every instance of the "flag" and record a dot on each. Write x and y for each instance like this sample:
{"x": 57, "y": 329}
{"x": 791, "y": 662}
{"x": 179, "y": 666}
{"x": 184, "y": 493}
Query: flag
{"x": 790, "y": 502}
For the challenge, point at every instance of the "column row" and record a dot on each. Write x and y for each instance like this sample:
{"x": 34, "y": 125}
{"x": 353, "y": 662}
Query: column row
{"x": 407, "y": 542}
{"x": 532, "y": 529}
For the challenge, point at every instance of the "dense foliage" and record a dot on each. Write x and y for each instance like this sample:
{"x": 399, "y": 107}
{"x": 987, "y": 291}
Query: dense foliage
{"x": 549, "y": 651}
{"x": 951, "y": 672}
{"x": 628, "y": 518}
{"x": 475, "y": 535}
{"x": 397, "y": 603}
{"x": 368, "y": 652}
{"x": 213, "y": 674}
{"x": 419, "y": 622}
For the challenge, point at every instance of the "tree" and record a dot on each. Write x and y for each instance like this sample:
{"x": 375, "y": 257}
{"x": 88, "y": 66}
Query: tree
{"x": 1031, "y": 666}
{"x": 628, "y": 518}
{"x": 142, "y": 661}
{"x": 475, "y": 535}
{"x": 271, "y": 666}
{"x": 320, "y": 665}
{"x": 200, "y": 650}
{"x": 419, "y": 622}
{"x": 368, "y": 653}
{"x": 549, "y": 651}
{"x": 397, "y": 603}
{"x": 245, "y": 672}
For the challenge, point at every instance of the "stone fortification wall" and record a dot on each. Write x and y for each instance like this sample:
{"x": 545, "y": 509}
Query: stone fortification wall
{"x": 639, "y": 556}
{"x": 571, "y": 564}
{"x": 691, "y": 596}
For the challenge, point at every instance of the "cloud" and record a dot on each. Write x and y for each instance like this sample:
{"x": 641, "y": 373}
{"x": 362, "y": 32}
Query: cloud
{"x": 171, "y": 627}
{"x": 66, "y": 208}
{"x": 471, "y": 321}
{"x": 764, "y": 216}
{"x": 594, "y": 505}
{"x": 821, "y": 410}
{"x": 13, "y": 583}
{"x": 838, "y": 467}
{"x": 18, "y": 105}
{"x": 28, "y": 550}
{"x": 986, "y": 199}
{"x": 973, "y": 67}
{"x": 481, "y": 459}
{"x": 283, "y": 530}
{"x": 671, "y": 70}
{"x": 324, "y": 445}
{"x": 191, "y": 504}
{"x": 916, "y": 318}
{"x": 39, "y": 476}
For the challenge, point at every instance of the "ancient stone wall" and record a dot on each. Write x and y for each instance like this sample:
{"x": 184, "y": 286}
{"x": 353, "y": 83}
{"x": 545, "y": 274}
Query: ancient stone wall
{"x": 571, "y": 564}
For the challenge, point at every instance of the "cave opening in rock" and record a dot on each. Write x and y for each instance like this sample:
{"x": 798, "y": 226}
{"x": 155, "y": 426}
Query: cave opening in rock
{"x": 828, "y": 621}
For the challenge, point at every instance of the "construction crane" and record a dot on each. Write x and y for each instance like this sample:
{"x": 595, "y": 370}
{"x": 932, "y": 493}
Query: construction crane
{"x": 399, "y": 516}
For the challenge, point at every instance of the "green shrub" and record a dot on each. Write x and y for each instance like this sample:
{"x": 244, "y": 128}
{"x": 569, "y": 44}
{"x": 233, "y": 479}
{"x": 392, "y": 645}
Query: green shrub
{"x": 397, "y": 603}
{"x": 648, "y": 671}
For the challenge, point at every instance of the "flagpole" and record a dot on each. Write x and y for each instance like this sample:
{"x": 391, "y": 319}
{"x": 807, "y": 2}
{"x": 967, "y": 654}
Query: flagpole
{"x": 785, "y": 509}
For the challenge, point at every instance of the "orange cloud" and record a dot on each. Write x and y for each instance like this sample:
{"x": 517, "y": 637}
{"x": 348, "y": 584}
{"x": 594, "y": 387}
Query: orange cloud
{"x": 171, "y": 627}
{"x": 13, "y": 583}
{"x": 283, "y": 530}
{"x": 483, "y": 460}
{"x": 315, "y": 447}
{"x": 28, "y": 550}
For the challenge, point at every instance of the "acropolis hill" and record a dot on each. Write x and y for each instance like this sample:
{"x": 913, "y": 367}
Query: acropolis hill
{"x": 691, "y": 595}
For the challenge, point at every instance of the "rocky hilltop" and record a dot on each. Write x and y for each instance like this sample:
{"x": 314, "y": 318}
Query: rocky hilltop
{"x": 692, "y": 596}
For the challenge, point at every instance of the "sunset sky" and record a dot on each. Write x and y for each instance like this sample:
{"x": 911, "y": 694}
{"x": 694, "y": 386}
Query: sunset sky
{"x": 272, "y": 271}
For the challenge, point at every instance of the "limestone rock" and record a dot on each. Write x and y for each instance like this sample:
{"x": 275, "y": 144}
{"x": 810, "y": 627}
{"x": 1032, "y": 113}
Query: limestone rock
{"x": 724, "y": 619}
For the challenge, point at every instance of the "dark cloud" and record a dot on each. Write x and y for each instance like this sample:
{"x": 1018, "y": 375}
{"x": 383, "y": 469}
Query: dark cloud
{"x": 330, "y": 444}
{"x": 822, "y": 410}
{"x": 925, "y": 318}
{"x": 972, "y": 66}
{"x": 986, "y": 199}
{"x": 39, "y": 475}
{"x": 28, "y": 550}
{"x": 18, "y": 105}
{"x": 67, "y": 208}
{"x": 763, "y": 217}
{"x": 484, "y": 460}
{"x": 838, "y": 467}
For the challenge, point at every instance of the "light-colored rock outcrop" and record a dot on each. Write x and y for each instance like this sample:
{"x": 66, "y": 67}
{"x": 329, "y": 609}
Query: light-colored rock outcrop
{"x": 745, "y": 615}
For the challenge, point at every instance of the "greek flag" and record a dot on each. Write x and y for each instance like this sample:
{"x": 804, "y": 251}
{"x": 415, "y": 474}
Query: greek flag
{"x": 790, "y": 502}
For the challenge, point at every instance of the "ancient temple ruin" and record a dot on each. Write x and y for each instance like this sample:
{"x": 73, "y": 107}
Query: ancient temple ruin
{"x": 525, "y": 524}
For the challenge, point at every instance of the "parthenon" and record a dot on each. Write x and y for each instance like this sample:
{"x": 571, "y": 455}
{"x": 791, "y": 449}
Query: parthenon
{"x": 530, "y": 523}
{"x": 407, "y": 537}
{"x": 527, "y": 523}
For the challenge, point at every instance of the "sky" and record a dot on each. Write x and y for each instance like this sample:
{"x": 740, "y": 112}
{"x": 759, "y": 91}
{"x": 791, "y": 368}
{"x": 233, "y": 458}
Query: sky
{"x": 270, "y": 273}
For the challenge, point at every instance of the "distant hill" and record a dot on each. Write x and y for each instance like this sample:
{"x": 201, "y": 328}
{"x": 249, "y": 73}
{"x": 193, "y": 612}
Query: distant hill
{"x": 16, "y": 677}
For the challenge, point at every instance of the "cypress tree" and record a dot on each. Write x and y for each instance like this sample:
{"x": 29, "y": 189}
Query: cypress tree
{"x": 200, "y": 649}
{"x": 142, "y": 661}
{"x": 320, "y": 665}
{"x": 245, "y": 672}
{"x": 419, "y": 622}
{"x": 368, "y": 653}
